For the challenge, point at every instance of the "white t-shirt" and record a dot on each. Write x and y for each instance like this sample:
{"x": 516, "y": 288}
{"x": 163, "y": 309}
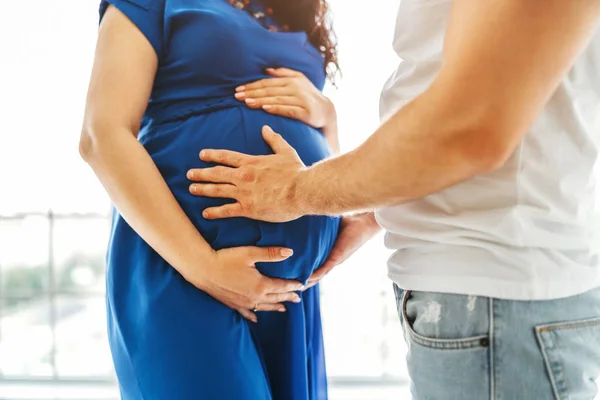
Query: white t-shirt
{"x": 529, "y": 230}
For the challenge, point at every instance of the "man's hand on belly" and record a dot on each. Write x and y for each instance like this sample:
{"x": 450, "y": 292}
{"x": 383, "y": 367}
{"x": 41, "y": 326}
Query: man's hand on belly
{"x": 263, "y": 186}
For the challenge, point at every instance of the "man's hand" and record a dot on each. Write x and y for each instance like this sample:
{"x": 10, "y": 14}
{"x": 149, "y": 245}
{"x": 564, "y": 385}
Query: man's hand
{"x": 355, "y": 231}
{"x": 263, "y": 186}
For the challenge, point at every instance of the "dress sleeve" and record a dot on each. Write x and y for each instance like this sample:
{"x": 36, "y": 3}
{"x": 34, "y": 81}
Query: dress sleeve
{"x": 147, "y": 16}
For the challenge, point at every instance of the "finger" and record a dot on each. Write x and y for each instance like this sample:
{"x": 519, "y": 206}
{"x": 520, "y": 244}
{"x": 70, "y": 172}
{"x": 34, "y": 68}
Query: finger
{"x": 289, "y": 111}
{"x": 225, "y": 157}
{"x": 274, "y": 285}
{"x": 268, "y": 254}
{"x": 283, "y": 72}
{"x": 232, "y": 210}
{"x": 283, "y": 89}
{"x": 224, "y": 191}
{"x": 263, "y": 83}
{"x": 273, "y": 298}
{"x": 217, "y": 174}
{"x": 271, "y": 307}
{"x": 264, "y": 92}
{"x": 274, "y": 100}
{"x": 249, "y": 315}
{"x": 277, "y": 143}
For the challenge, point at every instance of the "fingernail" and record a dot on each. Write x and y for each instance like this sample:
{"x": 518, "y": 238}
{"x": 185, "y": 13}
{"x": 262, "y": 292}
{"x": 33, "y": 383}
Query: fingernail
{"x": 282, "y": 309}
{"x": 255, "y": 320}
{"x": 250, "y": 101}
{"x": 190, "y": 175}
{"x": 205, "y": 214}
{"x": 270, "y": 69}
{"x": 302, "y": 288}
{"x": 240, "y": 95}
{"x": 193, "y": 188}
{"x": 287, "y": 252}
{"x": 267, "y": 107}
{"x": 240, "y": 88}
{"x": 202, "y": 154}
{"x": 297, "y": 299}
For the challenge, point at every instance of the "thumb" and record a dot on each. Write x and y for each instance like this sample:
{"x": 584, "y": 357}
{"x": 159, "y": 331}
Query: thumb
{"x": 277, "y": 143}
{"x": 268, "y": 254}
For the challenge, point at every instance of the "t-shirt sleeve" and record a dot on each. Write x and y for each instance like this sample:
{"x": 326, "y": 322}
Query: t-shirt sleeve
{"x": 147, "y": 15}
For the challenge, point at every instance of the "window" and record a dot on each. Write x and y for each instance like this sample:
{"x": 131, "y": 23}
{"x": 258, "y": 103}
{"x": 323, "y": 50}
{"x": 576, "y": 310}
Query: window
{"x": 54, "y": 215}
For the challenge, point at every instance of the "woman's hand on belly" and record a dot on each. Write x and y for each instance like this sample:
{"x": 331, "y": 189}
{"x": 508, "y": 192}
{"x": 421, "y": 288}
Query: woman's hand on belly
{"x": 232, "y": 278}
{"x": 291, "y": 94}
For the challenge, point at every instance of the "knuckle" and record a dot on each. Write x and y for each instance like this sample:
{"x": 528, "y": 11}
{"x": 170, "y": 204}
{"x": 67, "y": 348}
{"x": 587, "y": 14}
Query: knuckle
{"x": 249, "y": 205}
{"x": 251, "y": 296}
{"x": 218, "y": 171}
{"x": 247, "y": 175}
{"x": 271, "y": 253}
{"x": 261, "y": 290}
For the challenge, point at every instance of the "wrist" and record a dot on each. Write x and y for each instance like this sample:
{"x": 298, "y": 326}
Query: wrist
{"x": 199, "y": 273}
{"x": 300, "y": 193}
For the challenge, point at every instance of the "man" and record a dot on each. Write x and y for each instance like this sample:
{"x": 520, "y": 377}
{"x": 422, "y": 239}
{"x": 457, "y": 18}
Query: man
{"x": 483, "y": 176}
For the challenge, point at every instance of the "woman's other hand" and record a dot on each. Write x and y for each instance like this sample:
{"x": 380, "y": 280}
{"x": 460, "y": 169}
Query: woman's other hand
{"x": 231, "y": 277}
{"x": 289, "y": 94}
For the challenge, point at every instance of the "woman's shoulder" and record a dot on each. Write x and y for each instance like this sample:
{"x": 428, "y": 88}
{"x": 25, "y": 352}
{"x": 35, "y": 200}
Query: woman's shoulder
{"x": 146, "y": 15}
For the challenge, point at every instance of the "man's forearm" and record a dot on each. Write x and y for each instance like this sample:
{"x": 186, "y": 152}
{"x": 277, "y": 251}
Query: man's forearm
{"x": 500, "y": 67}
{"x": 429, "y": 145}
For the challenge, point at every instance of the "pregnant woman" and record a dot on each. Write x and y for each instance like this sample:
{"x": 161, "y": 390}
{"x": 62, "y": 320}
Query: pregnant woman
{"x": 163, "y": 87}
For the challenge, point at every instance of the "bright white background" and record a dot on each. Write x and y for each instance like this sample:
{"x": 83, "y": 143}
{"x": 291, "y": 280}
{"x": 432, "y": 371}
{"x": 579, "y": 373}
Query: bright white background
{"x": 46, "y": 51}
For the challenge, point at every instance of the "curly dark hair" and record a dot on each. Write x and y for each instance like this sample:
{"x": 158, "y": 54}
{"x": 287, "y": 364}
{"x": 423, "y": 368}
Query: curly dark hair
{"x": 312, "y": 17}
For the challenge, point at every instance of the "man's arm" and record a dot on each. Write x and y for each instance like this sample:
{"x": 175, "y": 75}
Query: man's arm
{"x": 502, "y": 62}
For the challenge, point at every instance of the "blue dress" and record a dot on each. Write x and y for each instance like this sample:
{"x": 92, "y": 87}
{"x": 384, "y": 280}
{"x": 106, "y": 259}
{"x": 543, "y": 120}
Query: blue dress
{"x": 169, "y": 340}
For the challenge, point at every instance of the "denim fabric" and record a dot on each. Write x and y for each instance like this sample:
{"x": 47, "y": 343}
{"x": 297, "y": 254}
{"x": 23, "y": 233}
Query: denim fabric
{"x": 478, "y": 348}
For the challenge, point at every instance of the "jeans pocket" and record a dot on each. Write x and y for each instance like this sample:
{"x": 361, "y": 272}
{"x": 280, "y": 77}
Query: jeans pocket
{"x": 440, "y": 321}
{"x": 448, "y": 345}
{"x": 571, "y": 352}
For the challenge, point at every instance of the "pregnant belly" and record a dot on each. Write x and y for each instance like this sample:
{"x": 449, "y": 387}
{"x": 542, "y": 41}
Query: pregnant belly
{"x": 175, "y": 147}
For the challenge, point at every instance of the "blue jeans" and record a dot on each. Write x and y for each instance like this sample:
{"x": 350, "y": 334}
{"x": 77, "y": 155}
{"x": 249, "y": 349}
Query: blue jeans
{"x": 476, "y": 348}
